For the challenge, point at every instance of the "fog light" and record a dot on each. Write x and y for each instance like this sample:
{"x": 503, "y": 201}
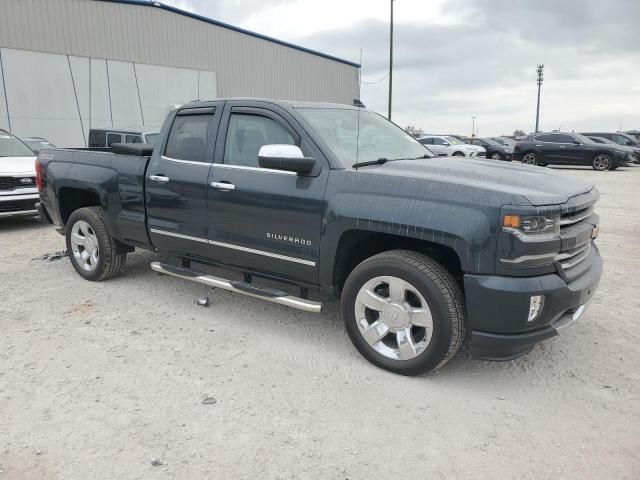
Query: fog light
{"x": 535, "y": 307}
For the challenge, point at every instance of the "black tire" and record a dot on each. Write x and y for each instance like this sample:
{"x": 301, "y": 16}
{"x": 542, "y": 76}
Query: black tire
{"x": 443, "y": 297}
{"x": 110, "y": 263}
{"x": 496, "y": 156}
{"x": 458, "y": 154}
{"x": 530, "y": 158}
{"x": 601, "y": 162}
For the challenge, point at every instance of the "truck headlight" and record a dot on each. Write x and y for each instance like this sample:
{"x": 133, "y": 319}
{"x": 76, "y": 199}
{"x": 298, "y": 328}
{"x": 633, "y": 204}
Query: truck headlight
{"x": 532, "y": 224}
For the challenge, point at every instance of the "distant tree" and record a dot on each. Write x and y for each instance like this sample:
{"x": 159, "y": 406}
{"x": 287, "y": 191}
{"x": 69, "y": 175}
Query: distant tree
{"x": 518, "y": 133}
{"x": 414, "y": 131}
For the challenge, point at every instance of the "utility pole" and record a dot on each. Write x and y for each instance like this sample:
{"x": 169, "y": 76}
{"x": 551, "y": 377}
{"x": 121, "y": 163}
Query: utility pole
{"x": 539, "y": 70}
{"x": 390, "y": 61}
{"x": 473, "y": 126}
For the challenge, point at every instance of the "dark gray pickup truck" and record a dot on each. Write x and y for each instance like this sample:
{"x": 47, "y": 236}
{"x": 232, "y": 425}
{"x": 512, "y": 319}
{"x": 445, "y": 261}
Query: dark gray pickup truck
{"x": 335, "y": 201}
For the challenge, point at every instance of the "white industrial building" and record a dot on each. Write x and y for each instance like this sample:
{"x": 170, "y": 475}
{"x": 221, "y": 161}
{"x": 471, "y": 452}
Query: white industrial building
{"x": 69, "y": 65}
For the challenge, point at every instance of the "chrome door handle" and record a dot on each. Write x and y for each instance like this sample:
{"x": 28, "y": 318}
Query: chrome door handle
{"x": 224, "y": 186}
{"x": 562, "y": 146}
{"x": 159, "y": 178}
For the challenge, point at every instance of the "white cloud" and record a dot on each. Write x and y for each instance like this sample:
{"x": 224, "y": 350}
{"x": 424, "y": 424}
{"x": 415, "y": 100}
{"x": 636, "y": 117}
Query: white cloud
{"x": 459, "y": 58}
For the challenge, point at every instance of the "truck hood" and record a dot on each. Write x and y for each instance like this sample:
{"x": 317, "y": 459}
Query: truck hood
{"x": 536, "y": 185}
{"x": 18, "y": 165}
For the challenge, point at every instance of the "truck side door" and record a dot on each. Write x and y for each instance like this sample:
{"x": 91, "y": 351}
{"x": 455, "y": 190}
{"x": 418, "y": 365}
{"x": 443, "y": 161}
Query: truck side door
{"x": 261, "y": 219}
{"x": 176, "y": 181}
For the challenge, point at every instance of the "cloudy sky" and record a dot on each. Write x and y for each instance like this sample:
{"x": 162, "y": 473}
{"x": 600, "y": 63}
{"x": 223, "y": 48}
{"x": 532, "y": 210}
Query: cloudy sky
{"x": 459, "y": 58}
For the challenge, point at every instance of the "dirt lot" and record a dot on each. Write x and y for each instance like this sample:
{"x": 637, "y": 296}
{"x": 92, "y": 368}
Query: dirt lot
{"x": 100, "y": 380}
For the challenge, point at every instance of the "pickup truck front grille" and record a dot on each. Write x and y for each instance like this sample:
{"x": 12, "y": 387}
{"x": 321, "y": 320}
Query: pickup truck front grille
{"x": 11, "y": 183}
{"x": 571, "y": 258}
{"x": 576, "y": 216}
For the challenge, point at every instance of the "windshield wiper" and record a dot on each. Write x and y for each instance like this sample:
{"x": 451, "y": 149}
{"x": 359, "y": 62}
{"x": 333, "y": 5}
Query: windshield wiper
{"x": 379, "y": 161}
{"x": 382, "y": 160}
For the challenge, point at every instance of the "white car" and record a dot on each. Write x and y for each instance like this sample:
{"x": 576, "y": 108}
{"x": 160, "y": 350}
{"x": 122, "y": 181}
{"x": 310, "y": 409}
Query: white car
{"x": 450, "y": 146}
{"x": 18, "y": 192}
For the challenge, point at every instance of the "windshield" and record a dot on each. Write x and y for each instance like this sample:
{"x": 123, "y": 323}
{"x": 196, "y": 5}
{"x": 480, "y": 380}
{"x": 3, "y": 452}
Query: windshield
{"x": 491, "y": 142}
{"x": 582, "y": 138}
{"x": 11, "y": 146}
{"x": 505, "y": 141}
{"x": 454, "y": 141}
{"x": 356, "y": 136}
{"x": 151, "y": 138}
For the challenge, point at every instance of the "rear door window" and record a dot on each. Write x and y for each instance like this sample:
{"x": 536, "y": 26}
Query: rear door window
{"x": 546, "y": 138}
{"x": 113, "y": 138}
{"x": 189, "y": 137}
{"x": 133, "y": 139}
{"x": 97, "y": 138}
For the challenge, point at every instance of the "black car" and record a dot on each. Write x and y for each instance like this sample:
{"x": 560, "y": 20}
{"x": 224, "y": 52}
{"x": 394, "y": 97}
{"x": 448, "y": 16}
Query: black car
{"x": 495, "y": 150}
{"x": 635, "y": 151}
{"x": 560, "y": 148}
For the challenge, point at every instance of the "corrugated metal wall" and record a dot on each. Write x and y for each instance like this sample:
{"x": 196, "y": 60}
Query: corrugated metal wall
{"x": 245, "y": 65}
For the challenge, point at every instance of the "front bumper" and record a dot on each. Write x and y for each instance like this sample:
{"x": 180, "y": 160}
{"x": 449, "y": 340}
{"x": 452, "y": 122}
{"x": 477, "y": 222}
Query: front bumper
{"x": 16, "y": 205}
{"x": 498, "y": 308}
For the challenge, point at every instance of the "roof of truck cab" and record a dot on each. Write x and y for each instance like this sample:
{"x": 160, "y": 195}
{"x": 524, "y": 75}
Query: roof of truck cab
{"x": 274, "y": 101}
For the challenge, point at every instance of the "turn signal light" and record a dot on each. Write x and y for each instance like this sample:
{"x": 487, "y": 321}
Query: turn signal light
{"x": 511, "y": 221}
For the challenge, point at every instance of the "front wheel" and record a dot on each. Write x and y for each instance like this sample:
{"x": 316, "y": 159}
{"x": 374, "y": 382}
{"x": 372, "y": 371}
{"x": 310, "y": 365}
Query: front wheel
{"x": 92, "y": 251}
{"x": 404, "y": 312}
{"x": 496, "y": 156}
{"x": 458, "y": 154}
{"x": 601, "y": 162}
{"x": 530, "y": 158}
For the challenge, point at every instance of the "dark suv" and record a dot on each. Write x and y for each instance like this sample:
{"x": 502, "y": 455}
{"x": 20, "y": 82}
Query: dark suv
{"x": 560, "y": 148}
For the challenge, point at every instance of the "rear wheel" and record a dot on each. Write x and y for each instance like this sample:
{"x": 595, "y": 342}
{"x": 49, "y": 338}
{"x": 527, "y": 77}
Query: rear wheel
{"x": 403, "y": 312}
{"x": 530, "y": 158}
{"x": 601, "y": 162}
{"x": 91, "y": 249}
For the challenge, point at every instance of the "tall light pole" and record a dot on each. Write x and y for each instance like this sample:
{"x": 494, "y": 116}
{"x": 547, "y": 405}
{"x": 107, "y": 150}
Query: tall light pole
{"x": 473, "y": 125}
{"x": 390, "y": 61}
{"x": 540, "y": 78}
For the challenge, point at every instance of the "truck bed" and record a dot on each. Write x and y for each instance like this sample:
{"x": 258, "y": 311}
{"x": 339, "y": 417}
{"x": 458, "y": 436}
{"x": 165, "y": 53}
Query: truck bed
{"x": 117, "y": 177}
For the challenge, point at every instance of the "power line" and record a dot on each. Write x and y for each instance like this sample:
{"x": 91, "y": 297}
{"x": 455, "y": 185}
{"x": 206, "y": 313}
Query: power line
{"x": 377, "y": 81}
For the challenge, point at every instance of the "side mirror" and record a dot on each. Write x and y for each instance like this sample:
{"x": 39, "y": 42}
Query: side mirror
{"x": 285, "y": 157}
{"x": 577, "y": 142}
{"x": 446, "y": 144}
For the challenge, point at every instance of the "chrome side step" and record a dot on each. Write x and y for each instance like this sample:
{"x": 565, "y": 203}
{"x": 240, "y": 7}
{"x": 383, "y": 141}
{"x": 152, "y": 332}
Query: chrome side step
{"x": 264, "y": 293}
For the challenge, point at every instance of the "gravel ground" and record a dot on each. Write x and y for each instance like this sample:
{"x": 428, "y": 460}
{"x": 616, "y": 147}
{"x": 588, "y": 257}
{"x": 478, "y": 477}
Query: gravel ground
{"x": 108, "y": 380}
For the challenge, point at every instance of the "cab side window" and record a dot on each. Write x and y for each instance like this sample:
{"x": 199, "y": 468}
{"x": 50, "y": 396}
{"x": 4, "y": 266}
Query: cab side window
{"x": 188, "y": 138}
{"x": 247, "y": 133}
{"x": 113, "y": 138}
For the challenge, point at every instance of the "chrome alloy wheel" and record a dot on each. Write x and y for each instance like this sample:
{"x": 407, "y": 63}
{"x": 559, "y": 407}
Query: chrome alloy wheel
{"x": 529, "y": 159}
{"x": 496, "y": 156}
{"x": 84, "y": 244}
{"x": 601, "y": 162}
{"x": 393, "y": 318}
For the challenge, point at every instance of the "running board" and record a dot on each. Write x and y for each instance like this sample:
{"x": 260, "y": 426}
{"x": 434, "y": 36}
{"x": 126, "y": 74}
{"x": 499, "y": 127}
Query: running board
{"x": 268, "y": 294}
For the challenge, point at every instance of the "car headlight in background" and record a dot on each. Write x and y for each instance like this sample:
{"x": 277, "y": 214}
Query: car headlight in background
{"x": 532, "y": 224}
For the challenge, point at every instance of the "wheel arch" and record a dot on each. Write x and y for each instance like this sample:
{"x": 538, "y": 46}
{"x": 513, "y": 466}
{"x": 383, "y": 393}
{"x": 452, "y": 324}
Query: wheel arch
{"x": 355, "y": 246}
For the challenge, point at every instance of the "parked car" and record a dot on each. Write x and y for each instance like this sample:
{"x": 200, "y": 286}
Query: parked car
{"x": 618, "y": 137}
{"x": 635, "y": 151}
{"x": 494, "y": 150}
{"x": 18, "y": 192}
{"x": 37, "y": 143}
{"x": 337, "y": 201}
{"x": 105, "y": 137}
{"x": 558, "y": 148}
{"x": 506, "y": 141}
{"x": 450, "y": 146}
